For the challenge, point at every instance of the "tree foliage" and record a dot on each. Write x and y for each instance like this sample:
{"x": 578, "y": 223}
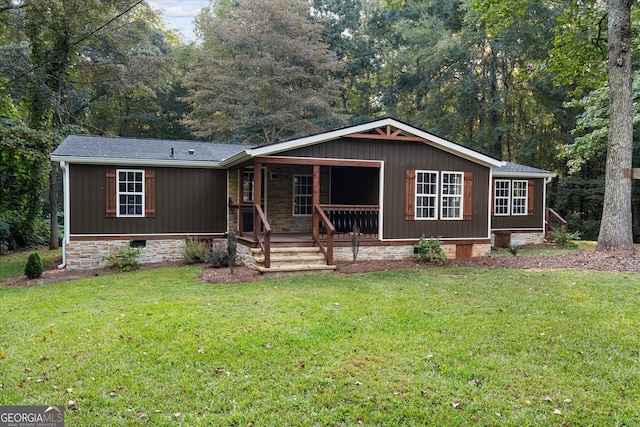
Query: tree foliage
{"x": 262, "y": 74}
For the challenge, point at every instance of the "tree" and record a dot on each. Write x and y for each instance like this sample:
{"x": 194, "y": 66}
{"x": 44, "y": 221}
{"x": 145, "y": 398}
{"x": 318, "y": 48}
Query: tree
{"x": 262, "y": 74}
{"x": 616, "y": 225}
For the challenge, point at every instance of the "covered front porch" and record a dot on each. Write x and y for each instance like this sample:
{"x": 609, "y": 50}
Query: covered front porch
{"x": 303, "y": 202}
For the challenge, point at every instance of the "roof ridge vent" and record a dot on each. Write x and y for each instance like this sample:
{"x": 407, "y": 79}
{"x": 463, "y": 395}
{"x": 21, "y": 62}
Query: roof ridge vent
{"x": 191, "y": 151}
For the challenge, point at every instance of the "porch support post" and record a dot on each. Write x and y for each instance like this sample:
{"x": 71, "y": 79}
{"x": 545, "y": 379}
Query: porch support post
{"x": 240, "y": 200}
{"x": 315, "y": 201}
{"x": 257, "y": 197}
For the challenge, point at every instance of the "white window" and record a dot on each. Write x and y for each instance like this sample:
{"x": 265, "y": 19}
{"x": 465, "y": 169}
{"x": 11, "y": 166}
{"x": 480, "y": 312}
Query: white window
{"x": 502, "y": 200}
{"x": 519, "y": 197}
{"x": 426, "y": 195}
{"x": 302, "y": 194}
{"x": 452, "y": 195}
{"x": 130, "y": 192}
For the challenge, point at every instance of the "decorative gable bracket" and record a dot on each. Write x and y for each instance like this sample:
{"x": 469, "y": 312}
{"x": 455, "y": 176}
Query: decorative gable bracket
{"x": 388, "y": 133}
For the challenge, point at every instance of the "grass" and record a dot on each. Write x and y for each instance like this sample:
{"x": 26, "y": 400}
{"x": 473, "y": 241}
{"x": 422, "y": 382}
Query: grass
{"x": 438, "y": 346}
{"x": 12, "y": 265}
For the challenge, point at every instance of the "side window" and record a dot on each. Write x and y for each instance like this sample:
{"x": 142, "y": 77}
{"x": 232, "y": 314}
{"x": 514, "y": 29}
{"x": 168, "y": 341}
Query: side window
{"x": 502, "y": 197}
{"x": 452, "y": 191}
{"x": 302, "y": 194}
{"x": 130, "y": 193}
{"x": 426, "y": 195}
{"x": 519, "y": 197}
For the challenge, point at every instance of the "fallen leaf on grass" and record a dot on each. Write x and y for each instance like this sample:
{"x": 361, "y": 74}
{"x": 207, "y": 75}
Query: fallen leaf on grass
{"x": 2, "y": 357}
{"x": 557, "y": 412}
{"x": 455, "y": 404}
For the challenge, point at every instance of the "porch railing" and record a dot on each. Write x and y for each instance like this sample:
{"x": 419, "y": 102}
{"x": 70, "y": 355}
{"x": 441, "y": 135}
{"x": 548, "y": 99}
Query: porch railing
{"x": 262, "y": 233}
{"x": 323, "y": 232}
{"x": 553, "y": 221}
{"x": 345, "y": 217}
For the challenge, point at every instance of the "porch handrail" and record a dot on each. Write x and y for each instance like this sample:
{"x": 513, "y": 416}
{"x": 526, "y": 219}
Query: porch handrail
{"x": 263, "y": 234}
{"x": 328, "y": 249}
{"x": 551, "y": 214}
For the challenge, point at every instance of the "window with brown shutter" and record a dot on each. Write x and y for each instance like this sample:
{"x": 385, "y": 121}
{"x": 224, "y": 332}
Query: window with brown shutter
{"x": 128, "y": 201}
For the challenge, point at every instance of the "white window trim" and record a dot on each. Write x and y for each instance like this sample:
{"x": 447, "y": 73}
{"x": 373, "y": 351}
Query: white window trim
{"x": 460, "y": 196}
{"x": 293, "y": 198}
{"x": 118, "y": 193}
{"x": 436, "y": 196}
{"x": 495, "y": 198}
{"x": 525, "y": 187}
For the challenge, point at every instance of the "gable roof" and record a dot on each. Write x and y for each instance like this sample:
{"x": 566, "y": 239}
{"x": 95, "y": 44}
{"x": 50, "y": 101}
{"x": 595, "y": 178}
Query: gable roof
{"x": 144, "y": 152}
{"x": 514, "y": 170}
{"x": 417, "y": 134}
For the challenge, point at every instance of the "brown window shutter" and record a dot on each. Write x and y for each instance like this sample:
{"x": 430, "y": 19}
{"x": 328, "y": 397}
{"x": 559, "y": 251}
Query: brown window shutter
{"x": 149, "y": 193}
{"x": 530, "y": 187}
{"x": 110, "y": 193}
{"x": 467, "y": 201}
{"x": 410, "y": 195}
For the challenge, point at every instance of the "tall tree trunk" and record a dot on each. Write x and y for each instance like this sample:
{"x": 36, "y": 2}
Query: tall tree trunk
{"x": 58, "y": 121}
{"x": 616, "y": 226}
{"x": 494, "y": 99}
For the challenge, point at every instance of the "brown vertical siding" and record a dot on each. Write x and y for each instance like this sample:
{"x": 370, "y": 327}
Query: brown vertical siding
{"x": 517, "y": 222}
{"x": 398, "y": 157}
{"x": 187, "y": 201}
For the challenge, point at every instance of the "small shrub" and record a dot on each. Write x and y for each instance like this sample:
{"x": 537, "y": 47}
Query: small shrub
{"x": 33, "y": 269}
{"x": 514, "y": 249}
{"x": 429, "y": 250}
{"x": 232, "y": 249}
{"x": 218, "y": 257}
{"x": 124, "y": 259}
{"x": 564, "y": 239}
{"x": 194, "y": 251}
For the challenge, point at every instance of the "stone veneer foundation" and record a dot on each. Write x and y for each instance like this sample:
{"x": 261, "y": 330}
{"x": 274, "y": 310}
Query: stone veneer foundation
{"x": 89, "y": 254}
{"x": 373, "y": 253}
{"x": 521, "y": 239}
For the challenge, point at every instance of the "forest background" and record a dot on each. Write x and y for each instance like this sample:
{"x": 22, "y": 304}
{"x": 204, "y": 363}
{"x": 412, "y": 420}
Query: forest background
{"x": 520, "y": 80}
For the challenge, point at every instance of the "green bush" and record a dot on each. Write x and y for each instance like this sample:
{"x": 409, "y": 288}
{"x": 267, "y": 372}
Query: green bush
{"x": 218, "y": 257}
{"x": 429, "y": 250}
{"x": 33, "y": 269}
{"x": 514, "y": 249}
{"x": 564, "y": 239}
{"x": 124, "y": 259}
{"x": 194, "y": 251}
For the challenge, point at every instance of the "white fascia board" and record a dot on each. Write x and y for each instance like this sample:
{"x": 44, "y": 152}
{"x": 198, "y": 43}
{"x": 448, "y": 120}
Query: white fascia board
{"x": 523, "y": 175}
{"x": 136, "y": 162}
{"x": 328, "y": 136}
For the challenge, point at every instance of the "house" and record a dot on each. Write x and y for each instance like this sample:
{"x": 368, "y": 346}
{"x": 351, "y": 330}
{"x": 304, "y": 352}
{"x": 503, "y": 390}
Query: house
{"x": 295, "y": 199}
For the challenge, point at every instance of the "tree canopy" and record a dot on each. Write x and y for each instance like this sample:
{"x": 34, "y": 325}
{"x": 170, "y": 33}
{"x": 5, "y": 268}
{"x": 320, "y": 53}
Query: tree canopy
{"x": 262, "y": 74}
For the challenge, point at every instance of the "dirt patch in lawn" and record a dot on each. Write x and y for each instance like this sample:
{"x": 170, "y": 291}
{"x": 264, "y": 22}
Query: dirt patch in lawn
{"x": 619, "y": 261}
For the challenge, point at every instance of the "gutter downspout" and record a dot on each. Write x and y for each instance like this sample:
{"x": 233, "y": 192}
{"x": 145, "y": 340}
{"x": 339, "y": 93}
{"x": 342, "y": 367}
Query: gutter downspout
{"x": 65, "y": 190}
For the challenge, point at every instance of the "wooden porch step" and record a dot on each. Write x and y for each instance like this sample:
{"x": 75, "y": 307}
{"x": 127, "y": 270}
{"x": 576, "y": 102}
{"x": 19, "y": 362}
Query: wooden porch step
{"x": 292, "y": 261}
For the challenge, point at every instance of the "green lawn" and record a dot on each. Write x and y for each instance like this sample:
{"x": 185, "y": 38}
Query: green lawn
{"x": 439, "y": 346}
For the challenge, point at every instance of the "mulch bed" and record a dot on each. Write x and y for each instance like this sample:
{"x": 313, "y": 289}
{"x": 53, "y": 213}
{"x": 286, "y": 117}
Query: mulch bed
{"x": 619, "y": 261}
